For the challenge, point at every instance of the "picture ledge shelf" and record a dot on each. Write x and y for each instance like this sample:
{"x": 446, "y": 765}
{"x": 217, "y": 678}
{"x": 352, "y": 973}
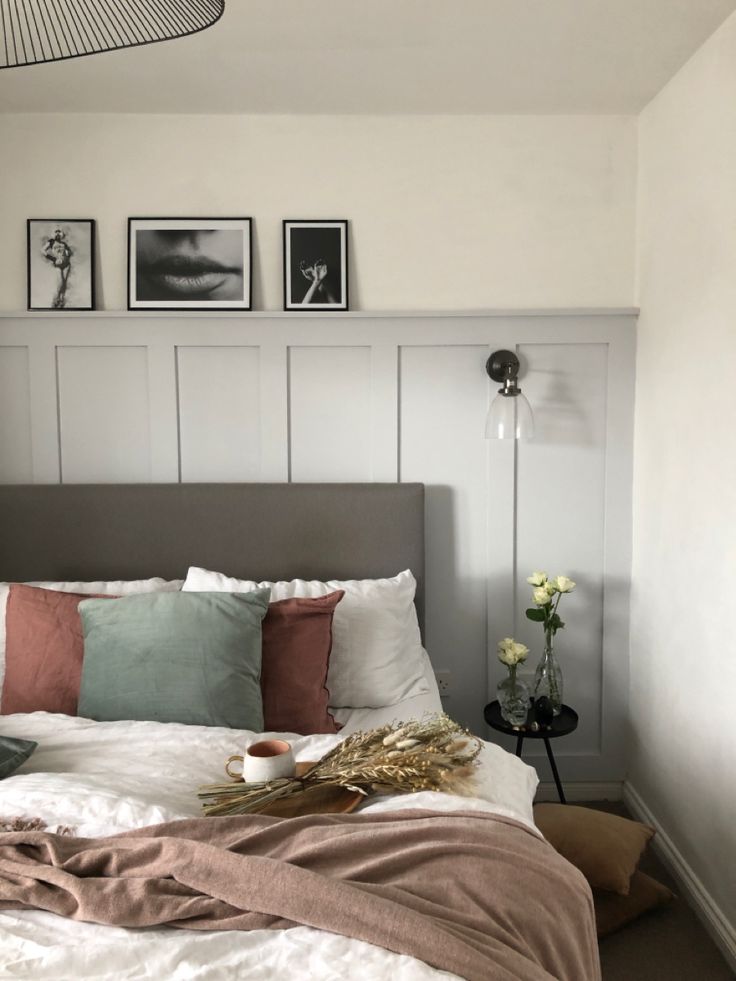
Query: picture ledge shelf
{"x": 315, "y": 314}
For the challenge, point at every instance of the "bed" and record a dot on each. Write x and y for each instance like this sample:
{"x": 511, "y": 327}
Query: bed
{"x": 103, "y": 778}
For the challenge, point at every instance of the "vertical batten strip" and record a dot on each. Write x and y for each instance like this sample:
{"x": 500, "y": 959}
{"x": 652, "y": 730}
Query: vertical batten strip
{"x": 501, "y": 552}
{"x": 45, "y": 421}
{"x": 274, "y": 402}
{"x": 501, "y": 522}
{"x": 163, "y": 413}
{"x": 385, "y": 412}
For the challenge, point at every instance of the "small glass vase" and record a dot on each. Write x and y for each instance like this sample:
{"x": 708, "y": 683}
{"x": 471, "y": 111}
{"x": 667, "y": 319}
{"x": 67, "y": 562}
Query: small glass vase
{"x": 513, "y": 699}
{"x": 548, "y": 677}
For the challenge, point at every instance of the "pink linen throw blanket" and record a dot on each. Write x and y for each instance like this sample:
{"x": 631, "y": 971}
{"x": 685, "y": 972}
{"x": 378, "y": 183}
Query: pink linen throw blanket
{"x": 470, "y": 893}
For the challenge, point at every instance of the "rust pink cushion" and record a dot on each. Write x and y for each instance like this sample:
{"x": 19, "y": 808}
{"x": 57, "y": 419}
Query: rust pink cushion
{"x": 44, "y": 650}
{"x": 297, "y": 641}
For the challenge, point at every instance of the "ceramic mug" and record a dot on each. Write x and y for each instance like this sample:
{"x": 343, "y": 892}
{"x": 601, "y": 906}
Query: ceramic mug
{"x": 270, "y": 759}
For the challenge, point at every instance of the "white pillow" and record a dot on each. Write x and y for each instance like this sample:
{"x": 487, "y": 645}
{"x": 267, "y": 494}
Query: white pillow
{"x": 377, "y": 656}
{"x": 120, "y": 588}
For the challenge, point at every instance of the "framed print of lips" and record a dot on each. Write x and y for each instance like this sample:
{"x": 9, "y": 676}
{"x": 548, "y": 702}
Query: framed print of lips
{"x": 189, "y": 263}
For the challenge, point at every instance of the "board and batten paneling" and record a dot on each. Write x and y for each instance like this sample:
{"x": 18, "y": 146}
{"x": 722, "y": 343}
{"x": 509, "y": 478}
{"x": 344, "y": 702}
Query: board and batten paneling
{"x": 302, "y": 397}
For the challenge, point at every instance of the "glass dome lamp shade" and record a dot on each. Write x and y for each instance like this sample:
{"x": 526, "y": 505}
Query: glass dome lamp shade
{"x": 510, "y": 415}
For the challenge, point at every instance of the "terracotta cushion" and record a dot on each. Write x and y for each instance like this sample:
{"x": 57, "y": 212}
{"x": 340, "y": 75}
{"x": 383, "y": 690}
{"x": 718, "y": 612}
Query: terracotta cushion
{"x": 297, "y": 641}
{"x": 613, "y": 911}
{"x": 44, "y": 650}
{"x": 605, "y": 847}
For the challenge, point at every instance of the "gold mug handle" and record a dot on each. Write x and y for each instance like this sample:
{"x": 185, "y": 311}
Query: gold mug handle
{"x": 231, "y": 760}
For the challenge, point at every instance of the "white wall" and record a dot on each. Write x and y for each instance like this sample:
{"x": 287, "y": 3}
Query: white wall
{"x": 683, "y": 663}
{"x": 447, "y": 213}
{"x": 454, "y": 213}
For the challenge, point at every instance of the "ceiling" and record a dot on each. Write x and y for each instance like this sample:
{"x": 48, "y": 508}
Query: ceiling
{"x": 389, "y": 56}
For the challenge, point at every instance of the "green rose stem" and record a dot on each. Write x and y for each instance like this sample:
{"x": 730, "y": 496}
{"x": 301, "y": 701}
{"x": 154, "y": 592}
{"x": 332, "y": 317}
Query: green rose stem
{"x": 554, "y": 688}
{"x": 549, "y": 629}
{"x": 545, "y": 612}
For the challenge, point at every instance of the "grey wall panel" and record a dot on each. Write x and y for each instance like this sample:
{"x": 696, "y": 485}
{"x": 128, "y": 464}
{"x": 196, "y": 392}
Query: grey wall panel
{"x": 219, "y": 413}
{"x": 104, "y": 414}
{"x": 329, "y": 413}
{"x": 16, "y": 465}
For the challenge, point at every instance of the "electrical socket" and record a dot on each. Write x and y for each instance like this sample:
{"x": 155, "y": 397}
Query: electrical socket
{"x": 444, "y": 682}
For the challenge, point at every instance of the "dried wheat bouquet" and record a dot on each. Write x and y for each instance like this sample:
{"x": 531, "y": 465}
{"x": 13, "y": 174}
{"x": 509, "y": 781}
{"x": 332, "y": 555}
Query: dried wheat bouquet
{"x": 433, "y": 753}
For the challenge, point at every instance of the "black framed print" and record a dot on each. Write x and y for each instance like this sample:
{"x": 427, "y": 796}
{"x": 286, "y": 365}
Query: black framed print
{"x": 316, "y": 265}
{"x": 61, "y": 263}
{"x": 189, "y": 263}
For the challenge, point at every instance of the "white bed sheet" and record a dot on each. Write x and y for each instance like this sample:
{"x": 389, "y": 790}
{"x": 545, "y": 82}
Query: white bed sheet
{"x": 102, "y": 778}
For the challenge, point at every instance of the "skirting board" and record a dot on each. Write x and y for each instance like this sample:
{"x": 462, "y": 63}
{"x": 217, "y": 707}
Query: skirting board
{"x": 577, "y": 790}
{"x": 722, "y": 932}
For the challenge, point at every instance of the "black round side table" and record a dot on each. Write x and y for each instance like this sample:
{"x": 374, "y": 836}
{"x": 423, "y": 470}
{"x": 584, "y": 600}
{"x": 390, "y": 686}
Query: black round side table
{"x": 562, "y": 724}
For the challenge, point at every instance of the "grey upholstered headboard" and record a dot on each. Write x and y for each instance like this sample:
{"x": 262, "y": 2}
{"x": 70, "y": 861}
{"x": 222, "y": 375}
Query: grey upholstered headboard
{"x": 262, "y": 531}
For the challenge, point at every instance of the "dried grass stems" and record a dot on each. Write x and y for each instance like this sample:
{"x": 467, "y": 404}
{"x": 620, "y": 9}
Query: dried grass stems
{"x": 432, "y": 753}
{"x": 32, "y": 824}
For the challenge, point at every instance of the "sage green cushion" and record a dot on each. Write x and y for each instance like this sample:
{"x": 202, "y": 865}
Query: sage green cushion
{"x": 13, "y": 752}
{"x": 174, "y": 657}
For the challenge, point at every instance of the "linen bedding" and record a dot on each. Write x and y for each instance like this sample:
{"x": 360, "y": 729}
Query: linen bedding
{"x": 106, "y": 778}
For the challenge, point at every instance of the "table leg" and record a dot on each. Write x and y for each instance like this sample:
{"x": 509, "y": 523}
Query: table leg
{"x": 519, "y": 744}
{"x": 555, "y": 774}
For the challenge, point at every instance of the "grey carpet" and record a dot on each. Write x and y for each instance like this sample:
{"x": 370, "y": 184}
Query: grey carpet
{"x": 669, "y": 944}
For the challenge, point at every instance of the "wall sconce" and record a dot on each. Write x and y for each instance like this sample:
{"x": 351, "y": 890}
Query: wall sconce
{"x": 510, "y": 415}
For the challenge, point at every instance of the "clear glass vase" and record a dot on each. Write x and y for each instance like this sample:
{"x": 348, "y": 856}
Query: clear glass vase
{"x": 513, "y": 699}
{"x": 548, "y": 677}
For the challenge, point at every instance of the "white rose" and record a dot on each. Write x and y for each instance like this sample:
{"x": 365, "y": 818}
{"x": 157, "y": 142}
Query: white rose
{"x": 537, "y": 579}
{"x": 565, "y": 585}
{"x": 510, "y": 652}
{"x": 520, "y": 651}
{"x": 541, "y": 597}
{"x": 551, "y": 586}
{"x": 505, "y": 647}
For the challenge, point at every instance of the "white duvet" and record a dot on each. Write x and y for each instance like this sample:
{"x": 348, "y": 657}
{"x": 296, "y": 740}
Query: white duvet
{"x": 105, "y": 777}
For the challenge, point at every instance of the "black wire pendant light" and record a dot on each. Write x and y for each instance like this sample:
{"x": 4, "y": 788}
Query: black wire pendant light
{"x": 37, "y": 31}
